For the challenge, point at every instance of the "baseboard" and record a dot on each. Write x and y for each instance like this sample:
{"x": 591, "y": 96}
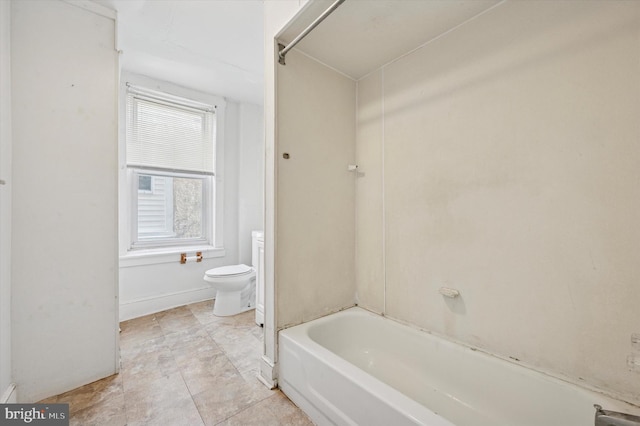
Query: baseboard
{"x": 267, "y": 374}
{"x": 9, "y": 396}
{"x": 149, "y": 305}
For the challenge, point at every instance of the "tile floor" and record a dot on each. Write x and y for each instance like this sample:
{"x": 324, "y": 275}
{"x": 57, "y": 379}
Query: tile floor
{"x": 184, "y": 367}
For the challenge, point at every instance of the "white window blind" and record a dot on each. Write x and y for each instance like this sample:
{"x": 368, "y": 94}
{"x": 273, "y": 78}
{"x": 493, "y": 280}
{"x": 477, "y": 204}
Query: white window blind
{"x": 167, "y": 132}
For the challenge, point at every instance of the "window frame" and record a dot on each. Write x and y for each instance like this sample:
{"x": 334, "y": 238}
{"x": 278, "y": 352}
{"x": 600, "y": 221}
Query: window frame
{"x": 155, "y": 254}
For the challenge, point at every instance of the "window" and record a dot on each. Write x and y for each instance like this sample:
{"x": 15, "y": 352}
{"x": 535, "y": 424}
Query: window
{"x": 170, "y": 161}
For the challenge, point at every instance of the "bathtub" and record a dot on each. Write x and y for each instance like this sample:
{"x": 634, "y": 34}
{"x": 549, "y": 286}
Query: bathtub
{"x": 358, "y": 368}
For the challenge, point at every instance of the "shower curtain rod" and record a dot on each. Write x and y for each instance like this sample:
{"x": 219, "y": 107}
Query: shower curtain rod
{"x": 283, "y": 50}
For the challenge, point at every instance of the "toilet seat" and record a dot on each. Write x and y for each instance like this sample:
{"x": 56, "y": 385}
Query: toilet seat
{"x": 229, "y": 271}
{"x": 230, "y": 278}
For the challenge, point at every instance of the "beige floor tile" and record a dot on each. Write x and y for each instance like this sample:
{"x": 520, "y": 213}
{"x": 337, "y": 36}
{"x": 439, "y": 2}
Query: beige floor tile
{"x": 50, "y": 400}
{"x": 229, "y": 333}
{"x": 137, "y": 323}
{"x": 143, "y": 402}
{"x": 170, "y": 325}
{"x": 204, "y": 306}
{"x": 203, "y": 311}
{"x": 178, "y": 322}
{"x": 232, "y": 396}
{"x": 108, "y": 412}
{"x": 185, "y": 356}
{"x": 176, "y": 413}
{"x": 246, "y": 318}
{"x": 135, "y": 348}
{"x": 244, "y": 355}
{"x": 94, "y": 393}
{"x": 275, "y": 410}
{"x": 146, "y": 368}
{"x": 255, "y": 415}
{"x": 195, "y": 335}
{"x": 174, "y": 312}
{"x": 286, "y": 412}
{"x": 208, "y": 373}
{"x": 134, "y": 335}
{"x": 229, "y": 321}
{"x": 258, "y": 332}
{"x": 184, "y": 366}
{"x": 251, "y": 376}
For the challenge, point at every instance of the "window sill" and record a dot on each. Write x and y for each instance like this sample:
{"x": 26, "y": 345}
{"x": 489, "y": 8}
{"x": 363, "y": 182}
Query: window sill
{"x": 167, "y": 255}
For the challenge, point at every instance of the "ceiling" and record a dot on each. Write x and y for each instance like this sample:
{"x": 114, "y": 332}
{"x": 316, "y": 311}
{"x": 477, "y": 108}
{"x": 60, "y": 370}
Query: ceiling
{"x": 215, "y": 46}
{"x": 362, "y": 35}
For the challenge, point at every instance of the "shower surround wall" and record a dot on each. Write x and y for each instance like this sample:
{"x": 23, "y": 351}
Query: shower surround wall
{"x": 315, "y": 193}
{"x": 500, "y": 159}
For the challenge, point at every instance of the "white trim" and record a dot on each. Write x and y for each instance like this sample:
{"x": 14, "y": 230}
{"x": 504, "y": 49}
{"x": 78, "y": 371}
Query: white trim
{"x": 9, "y": 396}
{"x": 168, "y": 99}
{"x": 270, "y": 348}
{"x": 208, "y": 214}
{"x": 116, "y": 89}
{"x": 268, "y": 374}
{"x": 150, "y": 305}
{"x": 167, "y": 255}
{"x": 96, "y": 8}
{"x": 171, "y": 89}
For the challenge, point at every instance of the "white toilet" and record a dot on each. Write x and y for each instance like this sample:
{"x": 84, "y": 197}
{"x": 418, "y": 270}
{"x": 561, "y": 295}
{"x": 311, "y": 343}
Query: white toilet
{"x": 235, "y": 287}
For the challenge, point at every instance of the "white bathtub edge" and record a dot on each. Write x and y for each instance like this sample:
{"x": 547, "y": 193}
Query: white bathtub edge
{"x": 298, "y": 337}
{"x": 621, "y": 398}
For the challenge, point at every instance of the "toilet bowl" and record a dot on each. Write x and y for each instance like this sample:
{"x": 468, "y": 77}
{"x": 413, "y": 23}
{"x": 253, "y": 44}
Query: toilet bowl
{"x": 235, "y": 289}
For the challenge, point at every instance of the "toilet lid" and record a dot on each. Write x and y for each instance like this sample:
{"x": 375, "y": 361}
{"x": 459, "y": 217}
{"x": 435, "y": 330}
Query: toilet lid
{"x": 227, "y": 271}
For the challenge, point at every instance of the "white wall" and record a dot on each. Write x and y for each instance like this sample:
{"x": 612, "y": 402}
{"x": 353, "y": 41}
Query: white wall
{"x": 64, "y": 204}
{"x": 502, "y": 160}
{"x": 251, "y": 177}
{"x": 154, "y": 282}
{"x": 229, "y": 181}
{"x": 5, "y": 199}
